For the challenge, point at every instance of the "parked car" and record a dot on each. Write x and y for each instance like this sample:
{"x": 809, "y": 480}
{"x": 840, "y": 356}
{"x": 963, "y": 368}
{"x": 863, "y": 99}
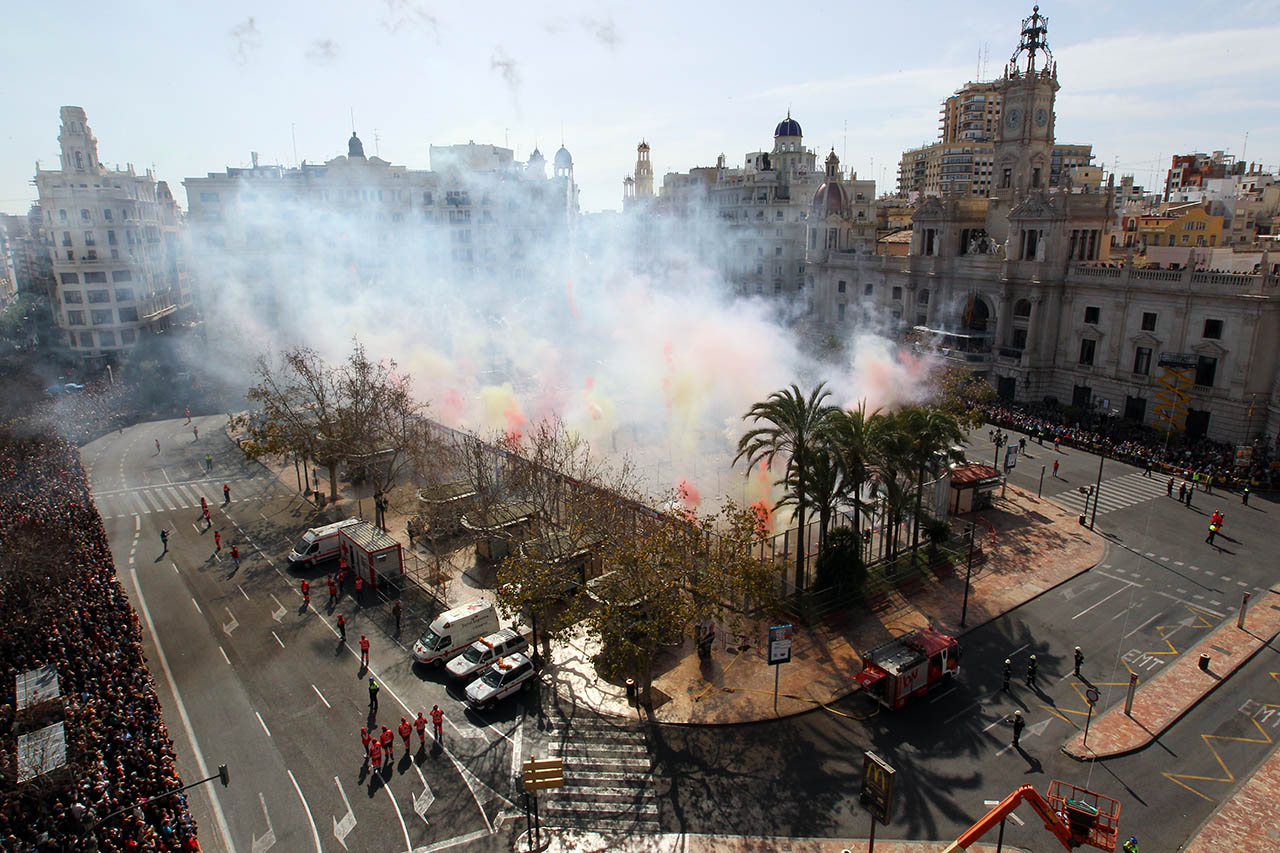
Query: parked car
{"x": 502, "y": 678}
{"x": 485, "y": 651}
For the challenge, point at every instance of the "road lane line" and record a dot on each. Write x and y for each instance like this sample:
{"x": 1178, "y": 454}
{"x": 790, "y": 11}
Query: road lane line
{"x": 263, "y": 724}
{"x": 408, "y": 843}
{"x": 1143, "y": 625}
{"x": 1103, "y": 601}
{"x": 137, "y": 524}
{"x": 224, "y": 655}
{"x": 219, "y": 817}
{"x": 1122, "y": 580}
{"x": 321, "y": 695}
{"x": 166, "y": 476}
{"x": 943, "y": 695}
{"x": 198, "y": 610}
{"x": 278, "y": 640}
{"x": 961, "y": 711}
{"x": 1190, "y": 603}
{"x": 315, "y": 834}
{"x": 242, "y": 592}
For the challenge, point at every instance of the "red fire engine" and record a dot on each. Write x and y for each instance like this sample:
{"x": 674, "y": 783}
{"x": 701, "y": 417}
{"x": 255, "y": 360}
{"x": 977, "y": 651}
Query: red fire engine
{"x": 908, "y": 666}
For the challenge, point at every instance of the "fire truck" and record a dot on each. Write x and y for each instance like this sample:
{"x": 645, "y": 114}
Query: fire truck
{"x": 908, "y": 666}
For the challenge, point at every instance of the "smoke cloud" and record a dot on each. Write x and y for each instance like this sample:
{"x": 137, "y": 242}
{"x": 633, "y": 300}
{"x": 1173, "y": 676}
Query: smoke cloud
{"x": 398, "y": 15}
{"x": 323, "y": 51}
{"x": 602, "y": 31}
{"x": 245, "y": 39}
{"x": 625, "y": 327}
{"x": 507, "y": 67}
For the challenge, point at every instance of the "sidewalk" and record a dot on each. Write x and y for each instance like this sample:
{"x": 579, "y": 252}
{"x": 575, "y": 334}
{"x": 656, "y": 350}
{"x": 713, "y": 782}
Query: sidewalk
{"x": 585, "y": 842}
{"x": 1178, "y": 687}
{"x": 1036, "y": 546}
{"x": 1248, "y": 820}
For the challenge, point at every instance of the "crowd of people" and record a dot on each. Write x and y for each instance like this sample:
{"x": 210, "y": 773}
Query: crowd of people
{"x": 62, "y": 606}
{"x": 1136, "y": 443}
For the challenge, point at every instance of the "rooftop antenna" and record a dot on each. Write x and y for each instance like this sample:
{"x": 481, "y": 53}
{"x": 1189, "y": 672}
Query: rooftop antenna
{"x": 506, "y": 137}
{"x": 353, "y": 119}
{"x": 986, "y": 55}
{"x": 293, "y": 132}
{"x": 978, "y": 68}
{"x": 1244, "y": 147}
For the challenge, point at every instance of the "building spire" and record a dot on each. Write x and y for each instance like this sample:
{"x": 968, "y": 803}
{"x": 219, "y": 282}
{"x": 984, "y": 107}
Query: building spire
{"x": 1034, "y": 32}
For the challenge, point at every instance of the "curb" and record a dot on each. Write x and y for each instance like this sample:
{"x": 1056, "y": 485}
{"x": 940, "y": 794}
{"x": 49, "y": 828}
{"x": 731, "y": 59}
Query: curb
{"x": 1174, "y": 721}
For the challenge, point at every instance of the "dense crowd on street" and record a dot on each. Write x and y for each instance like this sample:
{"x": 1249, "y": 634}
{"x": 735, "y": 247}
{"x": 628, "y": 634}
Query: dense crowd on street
{"x": 1133, "y": 442}
{"x": 61, "y": 605}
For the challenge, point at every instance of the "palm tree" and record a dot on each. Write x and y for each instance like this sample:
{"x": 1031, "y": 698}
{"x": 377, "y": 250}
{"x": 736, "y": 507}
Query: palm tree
{"x": 825, "y": 485}
{"x": 932, "y": 433}
{"x": 894, "y": 446}
{"x": 795, "y": 429}
{"x": 855, "y": 437}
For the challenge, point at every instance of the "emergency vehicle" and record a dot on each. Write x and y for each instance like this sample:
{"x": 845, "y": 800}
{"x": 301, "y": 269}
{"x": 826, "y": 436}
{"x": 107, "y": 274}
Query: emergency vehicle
{"x": 506, "y": 676}
{"x": 319, "y": 543}
{"x": 485, "y": 651}
{"x": 908, "y": 666}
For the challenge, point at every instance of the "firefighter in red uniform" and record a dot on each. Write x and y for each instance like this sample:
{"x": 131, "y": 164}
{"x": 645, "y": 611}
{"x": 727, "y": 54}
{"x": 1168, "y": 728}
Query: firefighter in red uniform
{"x": 306, "y": 593}
{"x": 437, "y": 720}
{"x": 204, "y": 505}
{"x": 333, "y": 588}
{"x": 421, "y": 725}
{"x": 375, "y": 756}
{"x": 388, "y": 743}
{"x": 364, "y": 650}
{"x": 359, "y": 589}
{"x": 406, "y": 731}
{"x": 365, "y": 739}
{"x": 217, "y": 541}
{"x": 342, "y": 627}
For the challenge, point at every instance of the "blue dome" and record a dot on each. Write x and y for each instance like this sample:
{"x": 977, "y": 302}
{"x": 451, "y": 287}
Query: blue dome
{"x": 788, "y": 127}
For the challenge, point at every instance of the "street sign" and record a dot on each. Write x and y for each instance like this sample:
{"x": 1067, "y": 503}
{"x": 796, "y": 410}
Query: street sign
{"x": 1092, "y": 695}
{"x": 541, "y": 774}
{"x": 876, "y": 795}
{"x": 779, "y": 644}
{"x": 1011, "y": 457}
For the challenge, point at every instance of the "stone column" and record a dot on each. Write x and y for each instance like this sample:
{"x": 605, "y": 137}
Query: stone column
{"x": 1005, "y": 312}
{"x": 1033, "y": 329}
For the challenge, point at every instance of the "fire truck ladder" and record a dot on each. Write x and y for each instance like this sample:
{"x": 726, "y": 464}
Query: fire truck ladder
{"x": 1073, "y": 814}
{"x": 1172, "y": 399}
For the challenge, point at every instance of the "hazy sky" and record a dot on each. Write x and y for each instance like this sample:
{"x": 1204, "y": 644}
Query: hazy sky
{"x": 194, "y": 87}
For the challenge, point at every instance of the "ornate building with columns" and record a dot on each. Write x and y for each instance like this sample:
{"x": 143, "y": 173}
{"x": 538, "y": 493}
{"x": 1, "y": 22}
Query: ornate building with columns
{"x": 1022, "y": 289}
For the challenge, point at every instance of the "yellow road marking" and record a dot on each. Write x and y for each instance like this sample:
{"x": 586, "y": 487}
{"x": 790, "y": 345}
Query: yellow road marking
{"x": 1229, "y": 777}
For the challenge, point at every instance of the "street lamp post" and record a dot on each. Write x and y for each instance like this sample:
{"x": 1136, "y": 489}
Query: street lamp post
{"x": 1097, "y": 490}
{"x": 998, "y": 438}
{"x": 964, "y": 609}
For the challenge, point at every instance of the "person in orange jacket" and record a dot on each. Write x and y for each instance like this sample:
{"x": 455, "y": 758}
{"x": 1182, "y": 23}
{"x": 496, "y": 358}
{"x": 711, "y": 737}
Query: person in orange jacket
{"x": 365, "y": 738}
{"x": 388, "y": 743}
{"x": 364, "y": 650}
{"x": 437, "y": 720}
{"x": 406, "y": 732}
{"x": 421, "y": 725}
{"x": 375, "y": 756}
{"x": 306, "y": 593}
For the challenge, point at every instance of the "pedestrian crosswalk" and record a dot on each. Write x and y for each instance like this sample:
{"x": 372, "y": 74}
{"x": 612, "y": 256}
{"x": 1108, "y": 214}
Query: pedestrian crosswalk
{"x": 118, "y": 503}
{"x": 1117, "y": 493}
{"x": 608, "y": 777}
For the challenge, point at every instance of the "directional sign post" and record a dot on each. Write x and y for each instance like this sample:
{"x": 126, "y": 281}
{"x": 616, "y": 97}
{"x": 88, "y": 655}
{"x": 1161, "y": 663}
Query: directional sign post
{"x": 779, "y": 653}
{"x": 876, "y": 795}
{"x": 1092, "y": 696}
{"x": 539, "y": 775}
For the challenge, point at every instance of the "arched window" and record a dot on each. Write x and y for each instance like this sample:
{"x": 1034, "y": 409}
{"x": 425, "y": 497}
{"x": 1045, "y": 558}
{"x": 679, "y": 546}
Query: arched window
{"x": 79, "y": 160}
{"x": 1022, "y": 308}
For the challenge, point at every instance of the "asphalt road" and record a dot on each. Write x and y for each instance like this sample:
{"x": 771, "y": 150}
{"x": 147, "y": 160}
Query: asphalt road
{"x": 251, "y": 679}
{"x": 267, "y": 688}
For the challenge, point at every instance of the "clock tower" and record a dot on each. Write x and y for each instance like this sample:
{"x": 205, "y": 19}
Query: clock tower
{"x": 1024, "y": 138}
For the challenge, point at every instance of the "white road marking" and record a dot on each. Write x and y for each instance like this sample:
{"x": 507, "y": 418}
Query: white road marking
{"x": 278, "y": 614}
{"x": 321, "y": 695}
{"x": 197, "y": 606}
{"x": 242, "y": 592}
{"x": 137, "y": 524}
{"x": 456, "y": 841}
{"x": 943, "y": 694}
{"x": 219, "y": 817}
{"x": 263, "y": 724}
{"x": 1190, "y": 603}
{"x": 232, "y": 625}
{"x": 422, "y": 801}
{"x": 408, "y": 844}
{"x": 278, "y": 640}
{"x": 1105, "y": 600}
{"x": 342, "y": 828}
{"x": 315, "y": 834}
{"x": 175, "y": 568}
{"x": 517, "y": 750}
{"x": 1122, "y": 580}
{"x": 224, "y": 655}
{"x": 1143, "y": 625}
{"x": 268, "y": 839}
{"x": 962, "y": 711}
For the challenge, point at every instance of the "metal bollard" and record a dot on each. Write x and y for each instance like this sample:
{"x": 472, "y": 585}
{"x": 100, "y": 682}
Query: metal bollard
{"x": 631, "y": 691}
{"x": 1128, "y": 700}
{"x": 1204, "y": 663}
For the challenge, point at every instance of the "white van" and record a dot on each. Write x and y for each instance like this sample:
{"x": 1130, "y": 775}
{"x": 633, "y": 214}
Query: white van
{"x": 319, "y": 543}
{"x": 454, "y": 630}
{"x": 504, "y": 677}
